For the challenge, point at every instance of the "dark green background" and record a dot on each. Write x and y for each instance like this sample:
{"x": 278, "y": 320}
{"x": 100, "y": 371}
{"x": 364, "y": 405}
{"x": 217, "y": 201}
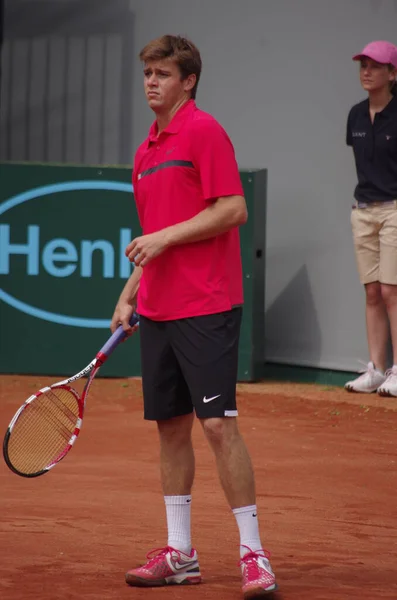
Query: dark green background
{"x": 33, "y": 346}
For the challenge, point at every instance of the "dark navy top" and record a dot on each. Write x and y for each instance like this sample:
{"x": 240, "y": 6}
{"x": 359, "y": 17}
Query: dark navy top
{"x": 375, "y": 151}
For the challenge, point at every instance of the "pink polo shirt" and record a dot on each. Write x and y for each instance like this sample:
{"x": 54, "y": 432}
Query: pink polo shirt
{"x": 176, "y": 175}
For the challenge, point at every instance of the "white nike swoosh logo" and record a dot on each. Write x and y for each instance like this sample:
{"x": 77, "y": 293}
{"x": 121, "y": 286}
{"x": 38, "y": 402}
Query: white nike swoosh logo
{"x": 180, "y": 566}
{"x": 205, "y": 399}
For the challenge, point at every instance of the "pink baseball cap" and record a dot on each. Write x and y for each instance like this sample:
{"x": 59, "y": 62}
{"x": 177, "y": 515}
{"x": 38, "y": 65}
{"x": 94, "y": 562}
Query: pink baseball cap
{"x": 380, "y": 51}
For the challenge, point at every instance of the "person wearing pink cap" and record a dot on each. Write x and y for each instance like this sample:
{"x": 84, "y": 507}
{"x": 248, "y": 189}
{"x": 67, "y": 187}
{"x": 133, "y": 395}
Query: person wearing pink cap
{"x": 372, "y": 133}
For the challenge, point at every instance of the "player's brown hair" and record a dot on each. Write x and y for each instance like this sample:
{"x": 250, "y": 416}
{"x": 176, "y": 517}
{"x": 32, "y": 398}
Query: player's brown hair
{"x": 181, "y": 50}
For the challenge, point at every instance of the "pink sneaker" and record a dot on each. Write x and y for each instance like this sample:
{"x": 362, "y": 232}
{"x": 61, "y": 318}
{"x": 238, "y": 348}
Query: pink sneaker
{"x": 166, "y": 566}
{"x": 258, "y": 577}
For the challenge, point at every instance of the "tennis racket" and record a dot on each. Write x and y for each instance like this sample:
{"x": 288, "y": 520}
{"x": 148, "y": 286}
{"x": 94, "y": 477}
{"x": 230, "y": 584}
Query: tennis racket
{"x": 46, "y": 426}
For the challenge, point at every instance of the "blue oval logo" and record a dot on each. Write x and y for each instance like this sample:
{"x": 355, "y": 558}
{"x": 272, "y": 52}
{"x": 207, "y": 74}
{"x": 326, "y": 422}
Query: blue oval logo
{"x": 46, "y": 191}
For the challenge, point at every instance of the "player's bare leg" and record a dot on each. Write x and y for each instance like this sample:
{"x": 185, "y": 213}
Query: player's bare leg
{"x": 176, "y": 455}
{"x": 232, "y": 459}
{"x": 177, "y": 562}
{"x": 237, "y": 480}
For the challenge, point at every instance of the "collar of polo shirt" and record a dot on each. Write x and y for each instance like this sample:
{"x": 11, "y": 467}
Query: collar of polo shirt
{"x": 176, "y": 123}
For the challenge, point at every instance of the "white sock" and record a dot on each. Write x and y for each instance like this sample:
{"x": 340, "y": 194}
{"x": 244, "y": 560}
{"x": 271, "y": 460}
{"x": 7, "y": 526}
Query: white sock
{"x": 247, "y": 521}
{"x": 178, "y": 510}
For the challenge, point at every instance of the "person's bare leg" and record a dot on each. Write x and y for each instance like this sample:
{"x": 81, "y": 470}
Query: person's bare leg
{"x": 177, "y": 463}
{"x": 232, "y": 460}
{"x": 177, "y": 467}
{"x": 237, "y": 478}
{"x": 389, "y": 296}
{"x": 378, "y": 323}
{"x": 177, "y": 562}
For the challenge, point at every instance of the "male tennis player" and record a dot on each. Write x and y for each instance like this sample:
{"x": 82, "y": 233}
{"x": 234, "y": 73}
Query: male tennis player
{"x": 187, "y": 284}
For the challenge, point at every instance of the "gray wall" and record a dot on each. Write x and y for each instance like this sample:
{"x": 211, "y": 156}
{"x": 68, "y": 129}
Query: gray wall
{"x": 67, "y": 81}
{"x": 278, "y": 75}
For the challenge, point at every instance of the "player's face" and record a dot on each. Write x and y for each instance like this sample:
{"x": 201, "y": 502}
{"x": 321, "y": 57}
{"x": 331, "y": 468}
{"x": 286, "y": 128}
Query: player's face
{"x": 375, "y": 76}
{"x": 163, "y": 85}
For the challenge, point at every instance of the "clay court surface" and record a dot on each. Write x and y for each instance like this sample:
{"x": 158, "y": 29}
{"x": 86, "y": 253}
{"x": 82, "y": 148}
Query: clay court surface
{"x": 326, "y": 469}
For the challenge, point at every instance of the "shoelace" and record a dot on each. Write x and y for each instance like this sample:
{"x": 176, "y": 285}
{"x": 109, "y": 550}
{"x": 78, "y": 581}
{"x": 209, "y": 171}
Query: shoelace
{"x": 391, "y": 372}
{"x": 249, "y": 560}
{"x": 155, "y": 555}
{"x": 369, "y": 371}
{"x": 364, "y": 364}
{"x": 369, "y": 368}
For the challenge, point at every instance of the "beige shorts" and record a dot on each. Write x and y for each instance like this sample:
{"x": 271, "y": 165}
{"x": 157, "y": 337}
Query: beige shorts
{"x": 375, "y": 242}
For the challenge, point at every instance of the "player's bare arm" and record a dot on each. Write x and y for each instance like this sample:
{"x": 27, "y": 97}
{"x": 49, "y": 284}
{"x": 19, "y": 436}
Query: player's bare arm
{"x": 221, "y": 216}
{"x": 127, "y": 303}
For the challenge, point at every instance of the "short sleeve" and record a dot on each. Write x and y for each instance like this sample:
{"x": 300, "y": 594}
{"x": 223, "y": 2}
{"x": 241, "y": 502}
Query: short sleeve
{"x": 214, "y": 158}
{"x": 349, "y": 137}
{"x": 135, "y": 189}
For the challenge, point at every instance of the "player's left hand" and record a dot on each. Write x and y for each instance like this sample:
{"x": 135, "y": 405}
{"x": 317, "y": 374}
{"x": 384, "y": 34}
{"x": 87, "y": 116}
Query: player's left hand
{"x": 146, "y": 247}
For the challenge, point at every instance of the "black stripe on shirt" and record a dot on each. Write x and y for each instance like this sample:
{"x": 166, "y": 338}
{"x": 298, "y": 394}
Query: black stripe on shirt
{"x": 166, "y": 165}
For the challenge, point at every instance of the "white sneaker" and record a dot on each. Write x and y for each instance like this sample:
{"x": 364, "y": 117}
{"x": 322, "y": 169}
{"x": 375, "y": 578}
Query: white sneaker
{"x": 369, "y": 381}
{"x": 389, "y": 387}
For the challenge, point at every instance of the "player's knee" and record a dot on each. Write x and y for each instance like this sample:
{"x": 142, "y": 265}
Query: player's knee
{"x": 219, "y": 430}
{"x": 176, "y": 431}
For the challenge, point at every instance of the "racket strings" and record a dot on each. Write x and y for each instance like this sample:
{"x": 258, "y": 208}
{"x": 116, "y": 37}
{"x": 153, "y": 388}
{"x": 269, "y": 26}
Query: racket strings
{"x": 43, "y": 430}
{"x": 58, "y": 398}
{"x": 52, "y": 418}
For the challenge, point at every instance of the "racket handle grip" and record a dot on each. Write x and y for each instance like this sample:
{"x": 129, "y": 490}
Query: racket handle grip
{"x": 117, "y": 337}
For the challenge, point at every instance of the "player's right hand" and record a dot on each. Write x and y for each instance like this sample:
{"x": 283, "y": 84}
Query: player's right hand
{"x": 121, "y": 316}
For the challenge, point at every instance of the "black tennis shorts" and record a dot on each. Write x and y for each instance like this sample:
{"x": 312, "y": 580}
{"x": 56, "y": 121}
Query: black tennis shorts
{"x": 190, "y": 365}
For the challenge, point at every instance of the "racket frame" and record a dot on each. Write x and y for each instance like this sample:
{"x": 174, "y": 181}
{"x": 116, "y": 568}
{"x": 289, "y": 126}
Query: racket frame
{"x": 91, "y": 369}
